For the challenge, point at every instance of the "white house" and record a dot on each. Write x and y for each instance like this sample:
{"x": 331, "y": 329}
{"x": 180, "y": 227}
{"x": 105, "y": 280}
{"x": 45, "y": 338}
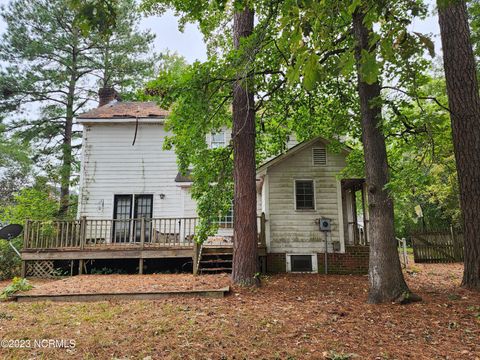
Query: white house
{"x": 125, "y": 173}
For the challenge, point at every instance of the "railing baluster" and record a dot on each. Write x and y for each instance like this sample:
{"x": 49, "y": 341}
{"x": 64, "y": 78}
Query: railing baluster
{"x": 146, "y": 232}
{"x": 38, "y": 235}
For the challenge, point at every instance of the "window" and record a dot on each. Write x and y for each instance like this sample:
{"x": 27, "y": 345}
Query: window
{"x": 304, "y": 195}
{"x": 126, "y": 208}
{"x": 218, "y": 140}
{"x": 319, "y": 156}
{"x": 226, "y": 221}
{"x": 302, "y": 263}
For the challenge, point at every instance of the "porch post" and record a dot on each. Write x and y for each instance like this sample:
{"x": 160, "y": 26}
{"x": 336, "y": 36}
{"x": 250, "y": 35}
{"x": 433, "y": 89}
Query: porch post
{"x": 83, "y": 231}
{"x": 142, "y": 244}
{"x": 23, "y": 271}
{"x": 142, "y": 232}
{"x": 81, "y": 264}
{"x": 262, "y": 229}
{"x": 196, "y": 249}
{"x": 26, "y": 231}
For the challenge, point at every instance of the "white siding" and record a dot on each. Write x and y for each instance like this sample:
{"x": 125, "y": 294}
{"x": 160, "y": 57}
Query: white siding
{"x": 111, "y": 165}
{"x": 294, "y": 231}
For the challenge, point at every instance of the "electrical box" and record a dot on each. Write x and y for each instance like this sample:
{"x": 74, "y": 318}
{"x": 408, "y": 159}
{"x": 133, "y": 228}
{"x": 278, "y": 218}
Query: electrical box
{"x": 325, "y": 224}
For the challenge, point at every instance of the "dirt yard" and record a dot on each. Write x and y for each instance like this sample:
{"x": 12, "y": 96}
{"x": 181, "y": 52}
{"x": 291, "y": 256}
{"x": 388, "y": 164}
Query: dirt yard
{"x": 289, "y": 317}
{"x": 85, "y": 284}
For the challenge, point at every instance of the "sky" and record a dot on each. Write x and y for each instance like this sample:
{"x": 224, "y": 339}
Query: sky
{"x": 190, "y": 43}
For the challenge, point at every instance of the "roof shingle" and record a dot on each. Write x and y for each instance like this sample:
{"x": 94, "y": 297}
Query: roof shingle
{"x": 125, "y": 110}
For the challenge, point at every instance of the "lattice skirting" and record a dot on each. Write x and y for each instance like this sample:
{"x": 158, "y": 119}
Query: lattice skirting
{"x": 40, "y": 268}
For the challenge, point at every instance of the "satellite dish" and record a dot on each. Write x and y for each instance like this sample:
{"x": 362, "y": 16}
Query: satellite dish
{"x": 10, "y": 232}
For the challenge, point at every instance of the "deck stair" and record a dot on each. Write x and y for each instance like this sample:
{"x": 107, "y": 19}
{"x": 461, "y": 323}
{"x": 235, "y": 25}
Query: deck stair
{"x": 214, "y": 260}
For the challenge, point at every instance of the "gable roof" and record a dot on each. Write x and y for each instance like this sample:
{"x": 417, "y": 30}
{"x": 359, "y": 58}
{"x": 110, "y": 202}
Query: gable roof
{"x": 295, "y": 149}
{"x": 126, "y": 110}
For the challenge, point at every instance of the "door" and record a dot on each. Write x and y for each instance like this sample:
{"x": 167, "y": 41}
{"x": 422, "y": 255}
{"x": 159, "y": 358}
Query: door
{"x": 122, "y": 213}
{"x": 143, "y": 209}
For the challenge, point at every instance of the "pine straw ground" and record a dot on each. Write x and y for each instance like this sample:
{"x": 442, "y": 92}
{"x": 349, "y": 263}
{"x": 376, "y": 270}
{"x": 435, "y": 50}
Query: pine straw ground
{"x": 289, "y": 317}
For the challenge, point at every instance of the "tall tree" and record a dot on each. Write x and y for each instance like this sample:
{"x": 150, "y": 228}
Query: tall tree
{"x": 335, "y": 42}
{"x": 15, "y": 166}
{"x": 50, "y": 64}
{"x": 46, "y": 57}
{"x": 122, "y": 54}
{"x": 245, "y": 258}
{"x": 385, "y": 273}
{"x": 464, "y": 103}
{"x": 227, "y": 78}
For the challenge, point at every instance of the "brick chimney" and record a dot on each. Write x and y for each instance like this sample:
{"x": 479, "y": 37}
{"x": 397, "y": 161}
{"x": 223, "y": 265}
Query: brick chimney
{"x": 106, "y": 95}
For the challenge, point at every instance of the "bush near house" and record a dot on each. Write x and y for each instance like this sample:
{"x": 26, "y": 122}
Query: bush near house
{"x": 9, "y": 261}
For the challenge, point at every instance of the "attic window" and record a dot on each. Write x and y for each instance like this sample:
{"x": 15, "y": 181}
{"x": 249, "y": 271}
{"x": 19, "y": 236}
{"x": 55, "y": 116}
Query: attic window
{"x": 319, "y": 156}
{"x": 217, "y": 140}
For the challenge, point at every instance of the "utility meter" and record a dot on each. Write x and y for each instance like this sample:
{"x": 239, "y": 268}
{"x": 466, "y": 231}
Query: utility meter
{"x": 325, "y": 224}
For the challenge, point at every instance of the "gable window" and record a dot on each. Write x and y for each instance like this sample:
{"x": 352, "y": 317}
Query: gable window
{"x": 304, "y": 195}
{"x": 319, "y": 156}
{"x": 217, "y": 140}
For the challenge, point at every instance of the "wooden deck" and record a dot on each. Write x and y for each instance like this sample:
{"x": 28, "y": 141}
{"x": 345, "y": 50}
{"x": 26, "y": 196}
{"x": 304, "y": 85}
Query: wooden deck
{"x": 95, "y": 239}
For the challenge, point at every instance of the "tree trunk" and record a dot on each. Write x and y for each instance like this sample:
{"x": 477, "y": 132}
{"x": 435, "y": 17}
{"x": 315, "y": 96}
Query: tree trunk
{"x": 66, "y": 168}
{"x": 464, "y": 104}
{"x": 67, "y": 157}
{"x": 385, "y": 273}
{"x": 245, "y": 258}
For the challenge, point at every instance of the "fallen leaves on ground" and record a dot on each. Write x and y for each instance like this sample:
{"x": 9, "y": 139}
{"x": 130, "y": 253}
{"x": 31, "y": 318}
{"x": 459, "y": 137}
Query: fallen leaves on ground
{"x": 304, "y": 316}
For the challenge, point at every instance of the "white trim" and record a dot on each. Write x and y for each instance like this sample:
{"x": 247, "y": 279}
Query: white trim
{"x": 295, "y": 196}
{"x": 288, "y": 260}
{"x": 294, "y": 150}
{"x": 115, "y": 120}
{"x": 221, "y": 144}
{"x": 341, "y": 232}
{"x": 266, "y": 208}
{"x": 81, "y": 185}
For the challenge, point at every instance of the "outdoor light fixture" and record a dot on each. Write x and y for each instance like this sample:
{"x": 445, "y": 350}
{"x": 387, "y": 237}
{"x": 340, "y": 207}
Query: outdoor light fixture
{"x": 162, "y": 196}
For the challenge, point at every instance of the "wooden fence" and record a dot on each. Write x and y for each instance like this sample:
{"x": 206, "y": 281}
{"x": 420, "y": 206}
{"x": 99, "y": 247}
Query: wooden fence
{"x": 437, "y": 246}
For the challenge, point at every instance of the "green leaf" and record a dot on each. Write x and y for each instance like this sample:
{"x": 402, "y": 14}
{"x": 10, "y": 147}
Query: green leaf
{"x": 369, "y": 69}
{"x": 311, "y": 73}
{"x": 353, "y": 6}
{"x": 427, "y": 42}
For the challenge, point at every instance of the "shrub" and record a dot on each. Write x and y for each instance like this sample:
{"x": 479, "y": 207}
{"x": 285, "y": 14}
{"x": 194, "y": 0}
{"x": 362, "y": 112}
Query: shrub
{"x": 9, "y": 261}
{"x": 18, "y": 284}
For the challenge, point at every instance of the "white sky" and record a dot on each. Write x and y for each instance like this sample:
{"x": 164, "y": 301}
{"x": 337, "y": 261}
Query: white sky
{"x": 190, "y": 43}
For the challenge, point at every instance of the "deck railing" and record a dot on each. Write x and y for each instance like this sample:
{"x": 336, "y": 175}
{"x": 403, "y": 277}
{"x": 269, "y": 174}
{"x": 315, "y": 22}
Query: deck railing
{"x": 91, "y": 233}
{"x": 103, "y": 233}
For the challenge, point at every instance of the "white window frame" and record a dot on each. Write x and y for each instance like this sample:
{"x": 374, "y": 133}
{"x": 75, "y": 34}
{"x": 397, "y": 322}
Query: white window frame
{"x": 313, "y": 157}
{"x": 288, "y": 259}
{"x": 217, "y": 144}
{"x": 295, "y": 195}
{"x": 226, "y": 221}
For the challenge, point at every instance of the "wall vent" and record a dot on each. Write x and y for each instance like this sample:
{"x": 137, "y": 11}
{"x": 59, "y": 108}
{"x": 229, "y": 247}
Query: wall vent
{"x": 319, "y": 157}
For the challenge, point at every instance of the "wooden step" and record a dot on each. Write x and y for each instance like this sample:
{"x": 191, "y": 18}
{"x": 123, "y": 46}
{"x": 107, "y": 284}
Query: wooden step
{"x": 215, "y": 269}
{"x": 217, "y": 250}
{"x": 215, "y": 261}
{"x": 215, "y": 254}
